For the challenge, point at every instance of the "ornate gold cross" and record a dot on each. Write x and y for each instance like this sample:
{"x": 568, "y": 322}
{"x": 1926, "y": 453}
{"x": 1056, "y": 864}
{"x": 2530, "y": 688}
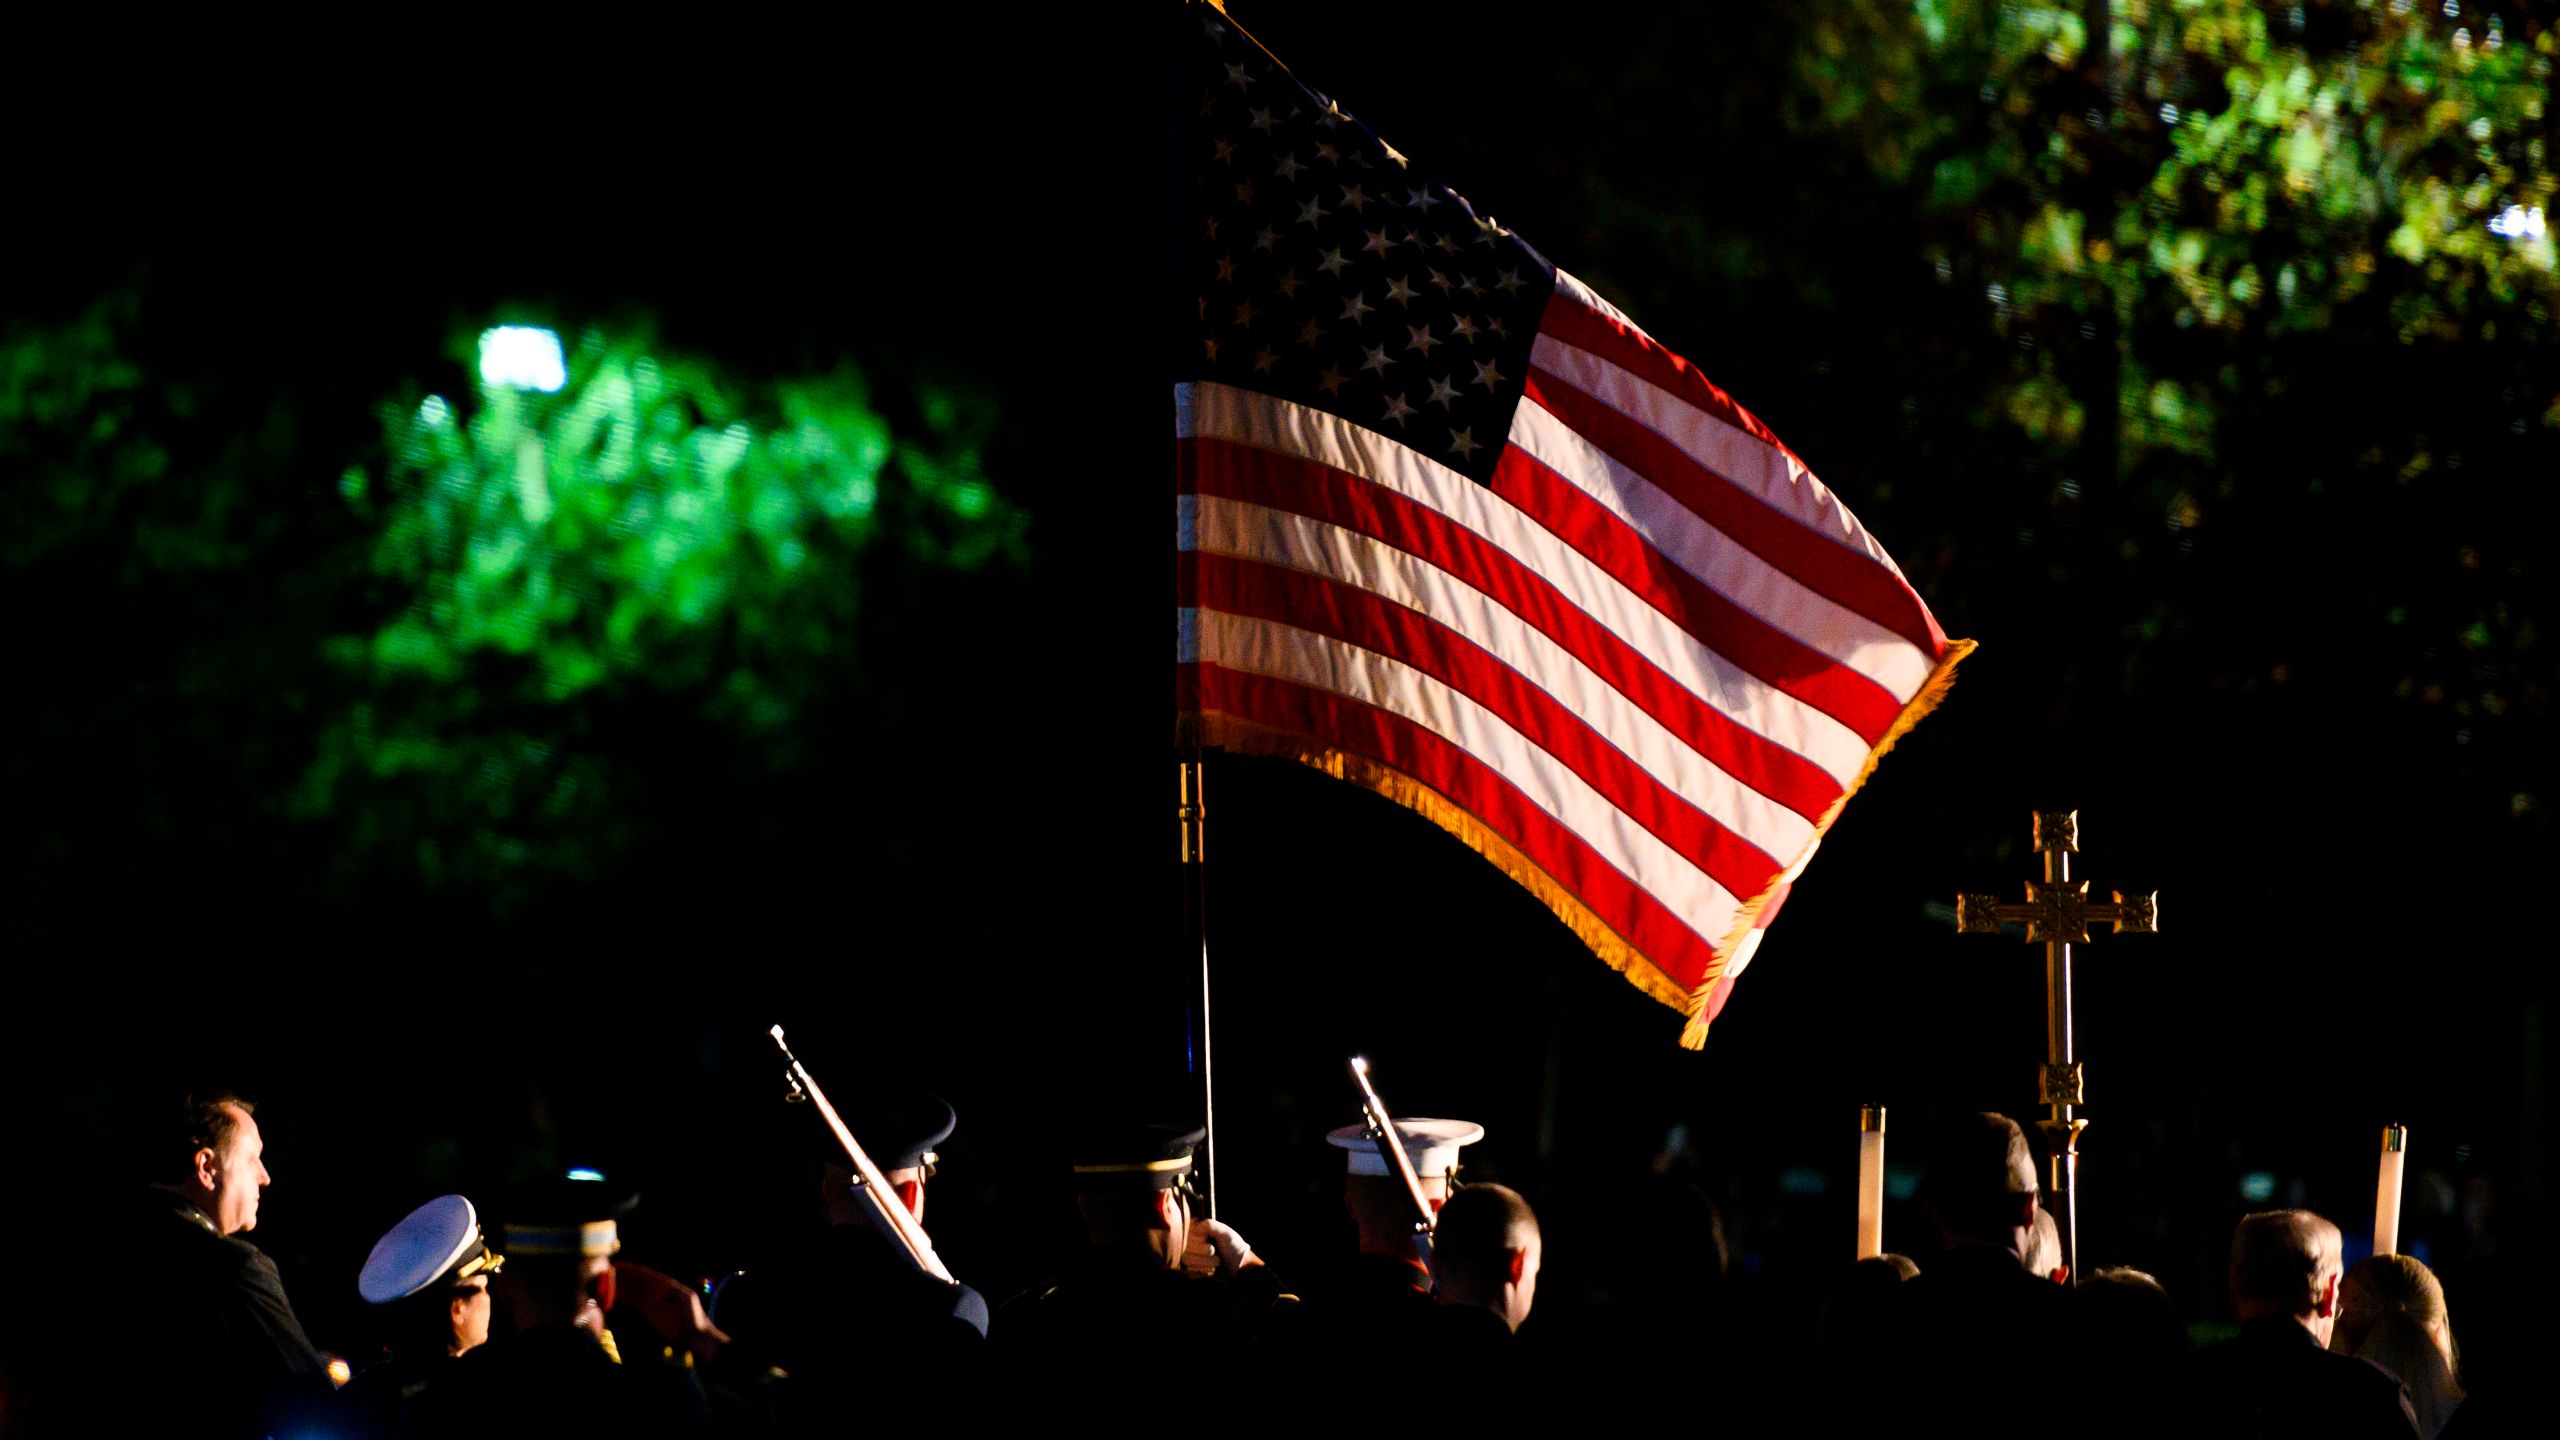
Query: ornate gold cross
{"x": 2058, "y": 913}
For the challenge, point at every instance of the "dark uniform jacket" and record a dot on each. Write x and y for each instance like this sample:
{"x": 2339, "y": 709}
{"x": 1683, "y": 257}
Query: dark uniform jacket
{"x": 1118, "y": 1313}
{"x": 1372, "y": 1304}
{"x": 845, "y": 1327}
{"x": 215, "y": 1347}
{"x": 2275, "y": 1380}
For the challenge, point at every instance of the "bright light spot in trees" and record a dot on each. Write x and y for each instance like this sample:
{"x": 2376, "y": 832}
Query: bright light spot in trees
{"x": 2519, "y": 223}
{"x": 522, "y": 357}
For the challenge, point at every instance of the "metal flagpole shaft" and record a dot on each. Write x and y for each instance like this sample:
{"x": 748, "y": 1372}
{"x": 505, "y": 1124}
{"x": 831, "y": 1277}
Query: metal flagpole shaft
{"x": 2063, "y": 1189}
{"x": 1195, "y": 931}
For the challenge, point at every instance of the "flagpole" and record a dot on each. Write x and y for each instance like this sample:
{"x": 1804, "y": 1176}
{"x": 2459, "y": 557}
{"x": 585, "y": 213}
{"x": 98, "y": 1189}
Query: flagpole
{"x": 1195, "y": 939}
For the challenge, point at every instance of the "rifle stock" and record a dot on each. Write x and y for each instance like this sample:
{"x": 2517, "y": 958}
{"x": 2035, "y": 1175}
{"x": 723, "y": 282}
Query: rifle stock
{"x": 895, "y": 1224}
{"x": 1383, "y": 1134}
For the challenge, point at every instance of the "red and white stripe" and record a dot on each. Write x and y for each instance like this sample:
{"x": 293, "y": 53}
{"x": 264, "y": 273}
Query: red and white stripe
{"x": 1652, "y": 656}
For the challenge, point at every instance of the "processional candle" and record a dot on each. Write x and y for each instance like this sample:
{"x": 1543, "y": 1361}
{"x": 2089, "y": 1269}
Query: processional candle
{"x": 1870, "y": 1182}
{"x": 2386, "y": 1199}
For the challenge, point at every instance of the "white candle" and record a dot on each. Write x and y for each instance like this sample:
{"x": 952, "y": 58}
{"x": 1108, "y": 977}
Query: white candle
{"x": 2386, "y": 1198}
{"x": 1870, "y": 1182}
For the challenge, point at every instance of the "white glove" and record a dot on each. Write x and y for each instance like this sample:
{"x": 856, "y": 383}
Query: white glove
{"x": 1234, "y": 1252}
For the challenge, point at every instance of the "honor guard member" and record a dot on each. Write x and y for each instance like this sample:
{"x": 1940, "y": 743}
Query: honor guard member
{"x": 1381, "y": 1293}
{"x": 428, "y": 1279}
{"x": 814, "y": 1329}
{"x": 558, "y": 1364}
{"x": 1125, "y": 1310}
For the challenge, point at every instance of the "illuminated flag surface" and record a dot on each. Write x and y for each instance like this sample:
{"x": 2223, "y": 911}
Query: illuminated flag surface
{"x": 1452, "y": 527}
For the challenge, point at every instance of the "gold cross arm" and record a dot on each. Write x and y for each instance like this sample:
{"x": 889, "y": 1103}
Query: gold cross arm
{"x": 2059, "y": 912}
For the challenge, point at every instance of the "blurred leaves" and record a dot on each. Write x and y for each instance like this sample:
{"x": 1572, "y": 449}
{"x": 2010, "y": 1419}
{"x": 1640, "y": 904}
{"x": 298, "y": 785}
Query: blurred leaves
{"x": 656, "y": 537}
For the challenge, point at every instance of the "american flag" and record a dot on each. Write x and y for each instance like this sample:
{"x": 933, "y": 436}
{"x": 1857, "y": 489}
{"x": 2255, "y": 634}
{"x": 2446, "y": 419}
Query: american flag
{"x": 1452, "y": 527}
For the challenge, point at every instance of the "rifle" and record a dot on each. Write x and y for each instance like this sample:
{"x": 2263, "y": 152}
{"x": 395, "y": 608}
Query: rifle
{"x": 1382, "y": 1133}
{"x": 895, "y": 1224}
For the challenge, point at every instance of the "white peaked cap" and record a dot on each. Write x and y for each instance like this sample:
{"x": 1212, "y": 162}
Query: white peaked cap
{"x": 1432, "y": 1144}
{"x": 436, "y": 1237}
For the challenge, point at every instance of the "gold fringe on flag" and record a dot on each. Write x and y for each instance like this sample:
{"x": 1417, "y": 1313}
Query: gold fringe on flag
{"x": 1693, "y": 1035}
{"x": 1246, "y": 737}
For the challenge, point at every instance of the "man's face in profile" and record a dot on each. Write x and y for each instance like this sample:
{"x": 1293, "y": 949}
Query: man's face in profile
{"x": 239, "y": 1176}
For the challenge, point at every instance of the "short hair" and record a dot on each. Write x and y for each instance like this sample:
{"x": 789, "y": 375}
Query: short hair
{"x": 1477, "y": 1231}
{"x": 2044, "y": 1245}
{"x": 2279, "y": 1257}
{"x": 1981, "y": 1165}
{"x": 208, "y": 1119}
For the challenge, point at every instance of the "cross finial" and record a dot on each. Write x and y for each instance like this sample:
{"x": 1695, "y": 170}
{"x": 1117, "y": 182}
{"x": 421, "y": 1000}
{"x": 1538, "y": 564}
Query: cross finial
{"x": 2058, "y": 830}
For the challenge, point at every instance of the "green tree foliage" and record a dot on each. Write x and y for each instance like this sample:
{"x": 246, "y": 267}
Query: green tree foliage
{"x": 2269, "y": 293}
{"x": 653, "y": 538}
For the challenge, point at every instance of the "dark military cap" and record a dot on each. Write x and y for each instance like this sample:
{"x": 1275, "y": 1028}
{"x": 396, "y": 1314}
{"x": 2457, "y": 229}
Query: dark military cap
{"x": 898, "y": 1132}
{"x": 1134, "y": 1156}
{"x": 578, "y": 1213}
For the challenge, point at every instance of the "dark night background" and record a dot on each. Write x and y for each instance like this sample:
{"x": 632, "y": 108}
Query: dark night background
{"x": 2308, "y": 708}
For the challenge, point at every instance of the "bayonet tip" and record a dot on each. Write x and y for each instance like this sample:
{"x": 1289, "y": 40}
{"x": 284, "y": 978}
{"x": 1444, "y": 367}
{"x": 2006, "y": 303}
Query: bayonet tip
{"x": 776, "y": 1033}
{"x": 1359, "y": 1066}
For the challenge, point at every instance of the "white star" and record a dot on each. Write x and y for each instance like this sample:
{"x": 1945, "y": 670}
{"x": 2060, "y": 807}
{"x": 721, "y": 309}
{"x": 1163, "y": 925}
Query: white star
{"x": 1331, "y": 381}
{"x": 1328, "y": 154}
{"x": 1209, "y": 223}
{"x": 1263, "y": 360}
{"x": 1444, "y": 394}
{"x": 1288, "y": 167}
{"x": 1311, "y": 213}
{"x": 1334, "y": 264}
{"x": 1465, "y": 329}
{"x": 1462, "y": 441}
{"x": 1244, "y": 192}
{"x": 1332, "y": 115}
{"x": 1355, "y": 309}
{"x": 1421, "y": 340}
{"x": 1265, "y": 238}
{"x": 1393, "y": 153}
{"x": 1288, "y": 283}
{"x": 1440, "y": 280}
{"x": 1353, "y": 200}
{"x": 1225, "y": 151}
{"x": 1509, "y": 282}
{"x": 1399, "y": 292}
{"x": 1237, "y": 77}
{"x": 1260, "y": 120}
{"x": 1397, "y": 409}
{"x": 1468, "y": 284}
{"x": 1226, "y": 268}
{"x": 1377, "y": 360}
{"x": 1244, "y": 314}
{"x": 1211, "y": 346}
{"x": 1495, "y": 325}
{"x": 1445, "y": 245}
{"x": 1311, "y": 332}
{"x": 1421, "y": 200}
{"x": 1378, "y": 241}
{"x": 1487, "y": 376}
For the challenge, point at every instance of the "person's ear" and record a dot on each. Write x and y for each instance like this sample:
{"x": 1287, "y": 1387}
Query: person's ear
{"x": 1518, "y": 1265}
{"x": 2329, "y": 1298}
{"x": 1169, "y": 1209}
{"x": 208, "y": 1168}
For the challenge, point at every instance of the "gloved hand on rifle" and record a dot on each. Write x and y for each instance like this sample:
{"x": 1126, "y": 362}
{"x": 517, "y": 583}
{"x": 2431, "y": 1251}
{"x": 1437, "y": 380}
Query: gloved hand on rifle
{"x": 1235, "y": 1253}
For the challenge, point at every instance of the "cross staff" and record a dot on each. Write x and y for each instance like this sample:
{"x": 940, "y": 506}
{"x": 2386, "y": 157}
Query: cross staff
{"x": 2058, "y": 913}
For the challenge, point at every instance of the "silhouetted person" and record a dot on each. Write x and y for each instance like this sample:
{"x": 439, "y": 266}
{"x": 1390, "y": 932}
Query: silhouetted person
{"x": 2391, "y": 1311}
{"x": 2278, "y": 1378}
{"x": 2134, "y": 1340}
{"x": 1973, "y": 1308}
{"x": 1855, "y": 1315}
{"x": 428, "y": 1279}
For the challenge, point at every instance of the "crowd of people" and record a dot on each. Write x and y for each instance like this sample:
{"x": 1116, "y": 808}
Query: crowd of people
{"x": 515, "y": 1313}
